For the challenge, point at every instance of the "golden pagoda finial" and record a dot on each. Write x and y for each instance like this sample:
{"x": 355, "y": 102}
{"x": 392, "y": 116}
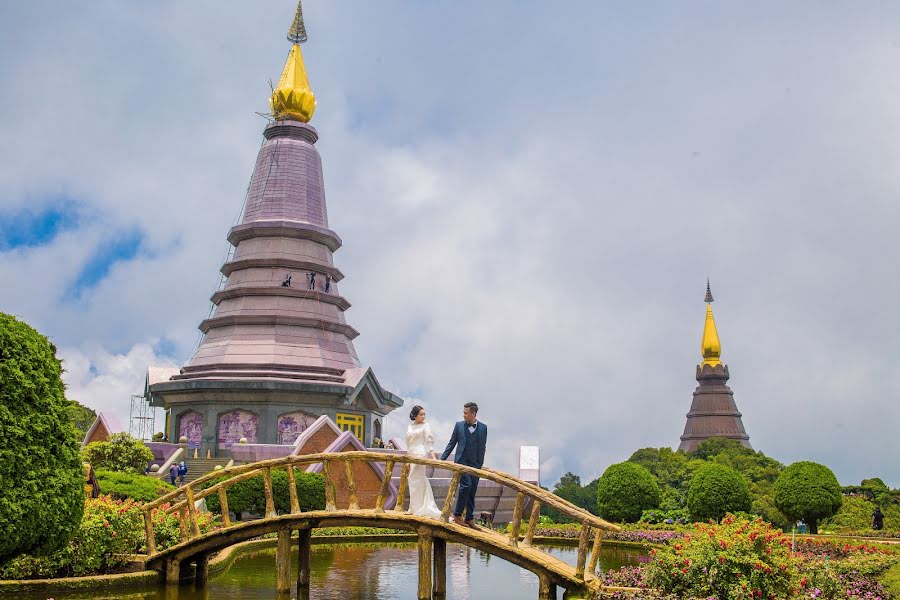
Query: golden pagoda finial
{"x": 292, "y": 98}
{"x": 710, "y": 348}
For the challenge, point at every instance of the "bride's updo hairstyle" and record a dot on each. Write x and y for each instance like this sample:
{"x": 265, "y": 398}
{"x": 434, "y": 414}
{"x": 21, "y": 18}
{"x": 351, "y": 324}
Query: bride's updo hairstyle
{"x": 415, "y": 412}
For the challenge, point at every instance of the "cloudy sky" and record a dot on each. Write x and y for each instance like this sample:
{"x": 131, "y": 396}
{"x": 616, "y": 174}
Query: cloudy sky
{"x": 531, "y": 197}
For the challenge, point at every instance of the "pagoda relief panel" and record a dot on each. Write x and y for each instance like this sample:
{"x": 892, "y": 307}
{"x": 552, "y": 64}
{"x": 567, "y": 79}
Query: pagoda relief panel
{"x": 190, "y": 425}
{"x": 291, "y": 425}
{"x": 237, "y": 424}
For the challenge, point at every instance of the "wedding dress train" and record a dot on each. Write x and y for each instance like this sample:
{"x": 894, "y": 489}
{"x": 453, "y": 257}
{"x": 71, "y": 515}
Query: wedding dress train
{"x": 419, "y": 442}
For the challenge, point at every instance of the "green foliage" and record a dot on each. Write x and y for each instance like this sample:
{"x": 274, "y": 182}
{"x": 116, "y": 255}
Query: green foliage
{"x": 109, "y": 532}
{"x": 569, "y": 488}
{"x": 41, "y": 495}
{"x": 122, "y": 486}
{"x": 809, "y": 491}
{"x": 855, "y": 517}
{"x": 655, "y": 516}
{"x": 625, "y": 490}
{"x": 715, "y": 446}
{"x": 120, "y": 452}
{"x": 716, "y": 490}
{"x": 891, "y": 580}
{"x": 82, "y": 418}
{"x": 739, "y": 559}
{"x": 248, "y": 495}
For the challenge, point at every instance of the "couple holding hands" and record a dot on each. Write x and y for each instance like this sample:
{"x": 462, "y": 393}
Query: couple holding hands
{"x": 469, "y": 437}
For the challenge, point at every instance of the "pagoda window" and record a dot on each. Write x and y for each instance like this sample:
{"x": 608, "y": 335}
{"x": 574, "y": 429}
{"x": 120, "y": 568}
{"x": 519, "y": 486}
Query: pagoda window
{"x": 354, "y": 423}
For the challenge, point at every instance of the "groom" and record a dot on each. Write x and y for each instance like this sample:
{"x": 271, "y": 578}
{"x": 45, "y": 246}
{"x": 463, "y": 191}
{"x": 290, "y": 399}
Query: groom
{"x": 470, "y": 438}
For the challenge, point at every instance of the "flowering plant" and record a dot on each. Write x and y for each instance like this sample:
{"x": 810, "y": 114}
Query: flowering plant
{"x": 736, "y": 560}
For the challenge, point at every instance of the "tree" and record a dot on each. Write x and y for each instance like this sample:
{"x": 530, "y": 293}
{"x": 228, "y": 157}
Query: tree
{"x": 120, "y": 452}
{"x": 716, "y": 490}
{"x": 625, "y": 490}
{"x": 717, "y": 445}
{"x": 42, "y": 494}
{"x": 569, "y": 488}
{"x": 82, "y": 418}
{"x": 809, "y": 491}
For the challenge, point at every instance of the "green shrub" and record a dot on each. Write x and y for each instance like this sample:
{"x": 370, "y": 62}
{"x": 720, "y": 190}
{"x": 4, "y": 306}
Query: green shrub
{"x": 626, "y": 490}
{"x": 82, "y": 418}
{"x": 655, "y": 516}
{"x": 122, "y": 486}
{"x": 248, "y": 495}
{"x": 42, "y": 493}
{"x": 120, "y": 452}
{"x": 809, "y": 491}
{"x": 109, "y": 532}
{"x": 737, "y": 559}
{"x": 716, "y": 490}
{"x": 855, "y": 517}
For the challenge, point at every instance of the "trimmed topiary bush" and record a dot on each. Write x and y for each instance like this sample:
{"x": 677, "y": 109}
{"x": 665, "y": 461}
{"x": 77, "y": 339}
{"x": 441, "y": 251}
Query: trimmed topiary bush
{"x": 248, "y": 495}
{"x": 809, "y": 491}
{"x": 716, "y": 490}
{"x": 42, "y": 493}
{"x": 626, "y": 490}
{"x": 120, "y": 452}
{"x": 122, "y": 486}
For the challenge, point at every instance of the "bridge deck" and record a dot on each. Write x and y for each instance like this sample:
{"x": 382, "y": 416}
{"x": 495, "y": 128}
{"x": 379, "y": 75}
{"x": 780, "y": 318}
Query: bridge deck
{"x": 487, "y": 540}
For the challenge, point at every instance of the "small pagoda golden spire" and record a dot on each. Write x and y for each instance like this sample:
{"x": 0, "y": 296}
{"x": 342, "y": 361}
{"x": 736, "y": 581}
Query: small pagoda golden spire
{"x": 292, "y": 98}
{"x": 710, "y": 348}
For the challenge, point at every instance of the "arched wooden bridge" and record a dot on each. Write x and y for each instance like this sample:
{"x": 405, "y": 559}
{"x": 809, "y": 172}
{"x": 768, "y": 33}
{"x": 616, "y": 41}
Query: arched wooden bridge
{"x": 194, "y": 547}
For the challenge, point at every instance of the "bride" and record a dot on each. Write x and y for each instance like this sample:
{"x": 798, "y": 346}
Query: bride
{"x": 419, "y": 442}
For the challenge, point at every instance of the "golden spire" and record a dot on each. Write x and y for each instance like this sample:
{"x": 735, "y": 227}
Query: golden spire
{"x": 292, "y": 98}
{"x": 710, "y": 348}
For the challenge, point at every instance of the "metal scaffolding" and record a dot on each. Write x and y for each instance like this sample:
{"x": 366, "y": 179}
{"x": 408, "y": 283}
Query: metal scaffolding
{"x": 143, "y": 418}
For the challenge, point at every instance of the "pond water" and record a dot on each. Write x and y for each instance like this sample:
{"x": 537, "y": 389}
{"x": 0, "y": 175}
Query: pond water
{"x": 376, "y": 572}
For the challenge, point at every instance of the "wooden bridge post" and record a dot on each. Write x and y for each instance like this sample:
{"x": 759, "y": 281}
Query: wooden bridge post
{"x": 516, "y": 524}
{"x": 451, "y": 492}
{"x": 173, "y": 571}
{"x": 351, "y": 485}
{"x": 440, "y": 568}
{"x": 425, "y": 543}
{"x": 532, "y": 522}
{"x": 267, "y": 490}
{"x": 201, "y": 571}
{"x": 401, "y": 489}
{"x": 546, "y": 588}
{"x": 292, "y": 490}
{"x": 329, "y": 486}
{"x": 191, "y": 510}
{"x": 148, "y": 529}
{"x": 385, "y": 487}
{"x": 595, "y": 551}
{"x": 283, "y": 561}
{"x": 303, "y": 567}
{"x": 223, "y": 506}
{"x": 582, "y": 550}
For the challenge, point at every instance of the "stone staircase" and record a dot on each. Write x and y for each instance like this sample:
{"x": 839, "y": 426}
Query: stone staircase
{"x": 198, "y": 467}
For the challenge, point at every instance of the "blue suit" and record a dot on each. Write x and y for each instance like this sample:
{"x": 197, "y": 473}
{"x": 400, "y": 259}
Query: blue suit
{"x": 470, "y": 448}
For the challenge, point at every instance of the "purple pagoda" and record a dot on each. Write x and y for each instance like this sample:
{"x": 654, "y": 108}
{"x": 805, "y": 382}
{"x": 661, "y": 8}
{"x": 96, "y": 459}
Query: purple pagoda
{"x": 713, "y": 411}
{"x": 277, "y": 352}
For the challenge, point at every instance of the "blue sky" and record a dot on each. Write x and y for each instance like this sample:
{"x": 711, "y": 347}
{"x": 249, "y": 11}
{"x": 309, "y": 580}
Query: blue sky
{"x": 531, "y": 198}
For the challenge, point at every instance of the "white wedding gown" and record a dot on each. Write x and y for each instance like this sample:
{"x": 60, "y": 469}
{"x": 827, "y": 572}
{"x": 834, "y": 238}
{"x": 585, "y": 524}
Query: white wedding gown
{"x": 419, "y": 442}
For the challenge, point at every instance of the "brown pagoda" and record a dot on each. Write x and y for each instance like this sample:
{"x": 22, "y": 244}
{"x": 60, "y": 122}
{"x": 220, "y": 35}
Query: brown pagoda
{"x": 713, "y": 411}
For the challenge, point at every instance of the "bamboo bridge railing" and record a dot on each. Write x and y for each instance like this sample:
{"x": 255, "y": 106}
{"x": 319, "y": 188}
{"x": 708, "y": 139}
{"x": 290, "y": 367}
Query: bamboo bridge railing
{"x": 433, "y": 534}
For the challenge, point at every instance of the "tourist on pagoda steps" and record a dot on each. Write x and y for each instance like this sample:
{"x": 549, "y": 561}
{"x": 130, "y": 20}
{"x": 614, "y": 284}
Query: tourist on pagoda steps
{"x": 877, "y": 519}
{"x": 182, "y": 472}
{"x": 312, "y": 280}
{"x": 327, "y": 283}
{"x": 173, "y": 473}
{"x": 419, "y": 442}
{"x": 470, "y": 439}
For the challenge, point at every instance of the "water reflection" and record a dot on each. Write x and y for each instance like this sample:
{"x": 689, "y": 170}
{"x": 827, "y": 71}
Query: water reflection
{"x": 370, "y": 572}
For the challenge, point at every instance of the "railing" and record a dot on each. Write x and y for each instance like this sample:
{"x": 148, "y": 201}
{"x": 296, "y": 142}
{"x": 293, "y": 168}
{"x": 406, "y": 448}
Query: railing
{"x": 184, "y": 498}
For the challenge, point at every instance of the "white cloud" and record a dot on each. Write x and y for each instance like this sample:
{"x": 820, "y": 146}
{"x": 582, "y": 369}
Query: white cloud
{"x": 528, "y": 225}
